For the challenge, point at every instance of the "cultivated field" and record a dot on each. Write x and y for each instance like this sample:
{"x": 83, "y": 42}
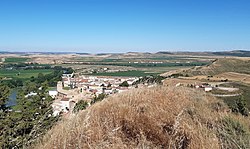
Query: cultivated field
{"x": 233, "y": 76}
{"x": 132, "y": 73}
{"x": 22, "y": 74}
{"x": 137, "y": 64}
{"x": 16, "y": 60}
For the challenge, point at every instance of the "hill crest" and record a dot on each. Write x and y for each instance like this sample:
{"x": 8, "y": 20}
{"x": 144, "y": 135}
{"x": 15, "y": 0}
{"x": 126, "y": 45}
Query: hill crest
{"x": 160, "y": 117}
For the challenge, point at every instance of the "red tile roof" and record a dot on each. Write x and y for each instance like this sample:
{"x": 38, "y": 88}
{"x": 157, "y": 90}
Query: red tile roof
{"x": 65, "y": 99}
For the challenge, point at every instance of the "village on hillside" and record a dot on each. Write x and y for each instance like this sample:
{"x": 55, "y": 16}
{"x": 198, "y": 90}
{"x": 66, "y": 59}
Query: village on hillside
{"x": 75, "y": 87}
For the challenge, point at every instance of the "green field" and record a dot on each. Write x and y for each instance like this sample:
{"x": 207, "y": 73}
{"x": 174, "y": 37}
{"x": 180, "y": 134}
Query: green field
{"x": 23, "y": 74}
{"x": 134, "y": 66}
{"x": 16, "y": 60}
{"x": 133, "y": 73}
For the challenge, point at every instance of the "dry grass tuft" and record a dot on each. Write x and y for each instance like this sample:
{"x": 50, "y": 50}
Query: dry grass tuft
{"x": 160, "y": 117}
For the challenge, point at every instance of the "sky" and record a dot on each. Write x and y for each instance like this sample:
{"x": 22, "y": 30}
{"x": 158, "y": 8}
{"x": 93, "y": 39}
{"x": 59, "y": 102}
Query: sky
{"x": 115, "y": 26}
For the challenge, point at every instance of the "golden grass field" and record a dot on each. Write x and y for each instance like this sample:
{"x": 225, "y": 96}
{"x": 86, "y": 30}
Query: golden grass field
{"x": 160, "y": 117}
{"x": 230, "y": 76}
{"x": 222, "y": 65}
{"x": 233, "y": 76}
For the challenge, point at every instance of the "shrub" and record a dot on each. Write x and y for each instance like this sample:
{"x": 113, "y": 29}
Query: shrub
{"x": 100, "y": 97}
{"x": 124, "y": 84}
{"x": 80, "y": 105}
{"x": 233, "y": 134}
{"x": 240, "y": 107}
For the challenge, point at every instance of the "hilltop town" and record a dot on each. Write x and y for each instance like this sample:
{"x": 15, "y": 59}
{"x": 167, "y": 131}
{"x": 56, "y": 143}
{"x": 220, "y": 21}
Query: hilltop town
{"x": 75, "y": 87}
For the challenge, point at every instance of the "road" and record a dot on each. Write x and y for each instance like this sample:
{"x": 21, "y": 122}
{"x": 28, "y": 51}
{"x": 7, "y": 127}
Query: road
{"x": 229, "y": 89}
{"x": 228, "y": 95}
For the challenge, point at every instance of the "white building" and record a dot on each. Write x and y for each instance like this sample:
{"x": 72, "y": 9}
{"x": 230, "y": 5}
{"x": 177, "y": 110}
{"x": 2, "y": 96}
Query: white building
{"x": 53, "y": 94}
{"x": 208, "y": 88}
{"x": 68, "y": 75}
{"x": 30, "y": 94}
{"x": 3, "y": 59}
{"x": 63, "y": 105}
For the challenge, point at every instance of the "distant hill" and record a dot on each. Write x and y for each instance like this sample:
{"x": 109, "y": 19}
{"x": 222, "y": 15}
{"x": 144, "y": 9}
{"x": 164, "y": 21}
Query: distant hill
{"x": 160, "y": 117}
{"x": 83, "y": 53}
{"x": 239, "y": 53}
{"x": 236, "y": 53}
{"x": 162, "y": 52}
{"x": 189, "y": 53}
{"x": 102, "y": 54}
{"x": 222, "y": 65}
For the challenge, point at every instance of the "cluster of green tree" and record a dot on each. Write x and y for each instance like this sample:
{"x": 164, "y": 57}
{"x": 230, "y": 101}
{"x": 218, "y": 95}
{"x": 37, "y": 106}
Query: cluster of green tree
{"x": 26, "y": 66}
{"x": 4, "y": 93}
{"x": 80, "y": 105}
{"x": 13, "y": 83}
{"x": 124, "y": 84}
{"x": 150, "y": 80}
{"x": 29, "y": 119}
{"x": 98, "y": 98}
{"x": 52, "y": 78}
{"x": 32, "y": 116}
{"x": 240, "y": 106}
{"x": 176, "y": 75}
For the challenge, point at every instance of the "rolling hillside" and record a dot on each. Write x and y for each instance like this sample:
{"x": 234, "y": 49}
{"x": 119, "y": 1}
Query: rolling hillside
{"x": 240, "y": 53}
{"x": 159, "y": 117}
{"x": 223, "y": 65}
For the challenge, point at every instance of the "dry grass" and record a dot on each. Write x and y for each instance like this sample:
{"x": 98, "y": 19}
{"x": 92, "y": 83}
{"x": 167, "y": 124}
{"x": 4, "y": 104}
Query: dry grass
{"x": 238, "y": 65}
{"x": 233, "y": 76}
{"x": 160, "y": 117}
{"x": 182, "y": 80}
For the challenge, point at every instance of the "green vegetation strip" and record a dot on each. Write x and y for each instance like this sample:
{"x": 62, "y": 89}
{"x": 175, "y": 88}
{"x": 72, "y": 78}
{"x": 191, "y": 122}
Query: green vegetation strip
{"x": 23, "y": 74}
{"x": 133, "y": 73}
{"x": 15, "y": 60}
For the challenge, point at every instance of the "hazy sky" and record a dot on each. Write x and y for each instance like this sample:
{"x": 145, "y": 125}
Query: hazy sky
{"x": 96, "y": 26}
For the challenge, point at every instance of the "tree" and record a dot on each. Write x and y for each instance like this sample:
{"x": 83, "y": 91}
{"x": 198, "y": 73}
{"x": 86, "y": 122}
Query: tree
{"x": 33, "y": 115}
{"x": 149, "y": 80}
{"x": 40, "y": 78}
{"x": 109, "y": 85}
{"x": 124, "y": 84}
{"x": 30, "y": 87}
{"x": 4, "y": 93}
{"x": 19, "y": 82}
{"x": 100, "y": 97}
{"x": 69, "y": 70}
{"x": 240, "y": 107}
{"x": 80, "y": 105}
{"x": 31, "y": 118}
